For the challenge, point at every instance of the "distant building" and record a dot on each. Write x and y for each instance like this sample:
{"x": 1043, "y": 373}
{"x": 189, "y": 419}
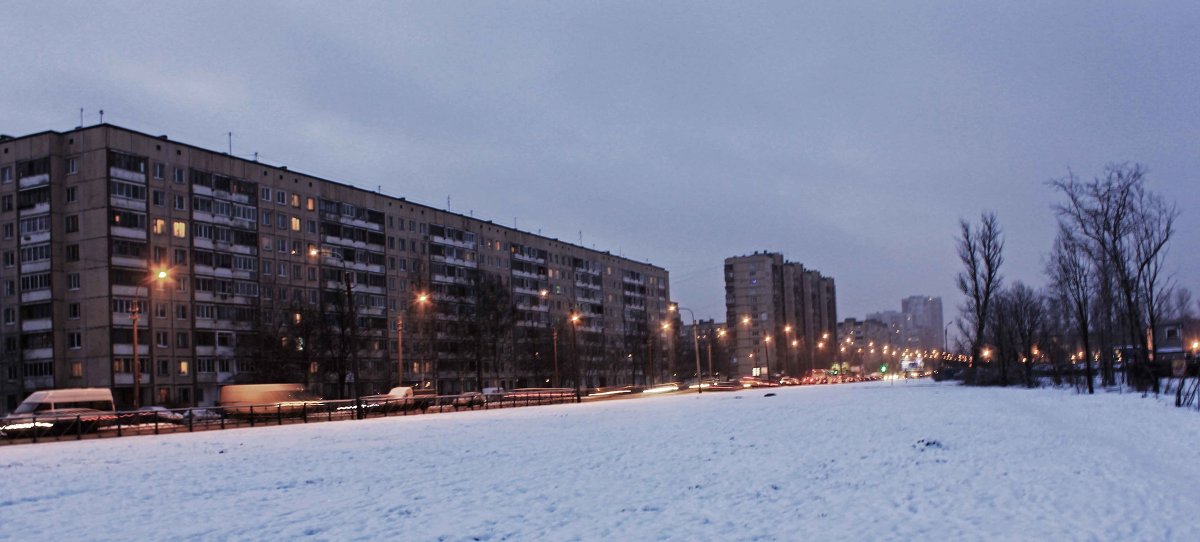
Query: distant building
{"x": 924, "y": 316}
{"x": 782, "y": 317}
{"x": 917, "y": 326}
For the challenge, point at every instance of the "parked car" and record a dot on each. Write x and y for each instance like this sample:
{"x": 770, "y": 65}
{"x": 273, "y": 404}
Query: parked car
{"x": 470, "y": 399}
{"x": 397, "y": 399}
{"x": 199, "y": 415}
{"x": 151, "y": 414}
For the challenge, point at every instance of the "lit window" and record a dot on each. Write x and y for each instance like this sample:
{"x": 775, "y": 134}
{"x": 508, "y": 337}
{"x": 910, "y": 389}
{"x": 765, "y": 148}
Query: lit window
{"x": 295, "y": 223}
{"x": 183, "y": 367}
{"x": 77, "y": 369}
{"x": 310, "y": 204}
{"x": 179, "y": 229}
{"x": 296, "y": 200}
{"x": 158, "y": 226}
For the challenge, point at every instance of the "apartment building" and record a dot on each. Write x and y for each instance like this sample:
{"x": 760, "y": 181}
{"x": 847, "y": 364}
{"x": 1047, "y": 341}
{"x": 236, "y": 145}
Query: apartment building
{"x": 782, "y": 316}
{"x": 225, "y": 270}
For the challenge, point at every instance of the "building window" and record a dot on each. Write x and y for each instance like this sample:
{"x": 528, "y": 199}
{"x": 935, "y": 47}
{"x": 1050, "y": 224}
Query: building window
{"x": 310, "y": 204}
{"x": 180, "y": 256}
{"x": 158, "y": 226}
{"x": 179, "y": 175}
{"x": 281, "y": 197}
{"x": 10, "y": 259}
{"x": 183, "y": 367}
{"x": 179, "y": 229}
{"x": 159, "y": 171}
{"x": 296, "y": 200}
{"x": 265, "y": 194}
{"x": 180, "y": 203}
{"x": 74, "y": 340}
{"x": 72, "y": 253}
{"x": 10, "y": 316}
{"x": 160, "y": 339}
{"x": 181, "y": 312}
{"x": 164, "y": 367}
{"x": 72, "y": 223}
{"x": 72, "y": 194}
{"x": 266, "y": 218}
{"x": 76, "y": 369}
{"x": 73, "y": 311}
{"x": 6, "y": 203}
{"x": 72, "y": 166}
{"x": 9, "y": 229}
{"x": 6, "y": 175}
{"x": 181, "y": 339}
{"x": 295, "y": 223}
{"x": 72, "y": 281}
{"x": 159, "y": 197}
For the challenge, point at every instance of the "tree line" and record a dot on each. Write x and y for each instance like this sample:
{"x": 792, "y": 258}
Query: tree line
{"x": 1107, "y": 289}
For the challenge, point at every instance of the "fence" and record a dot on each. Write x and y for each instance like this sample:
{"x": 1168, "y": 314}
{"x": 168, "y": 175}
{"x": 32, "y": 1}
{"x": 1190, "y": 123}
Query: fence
{"x": 159, "y": 421}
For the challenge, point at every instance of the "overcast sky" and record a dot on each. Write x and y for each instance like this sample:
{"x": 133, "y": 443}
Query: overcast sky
{"x": 849, "y": 136}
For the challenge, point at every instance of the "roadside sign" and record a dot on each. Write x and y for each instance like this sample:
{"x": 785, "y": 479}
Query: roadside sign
{"x": 1178, "y": 368}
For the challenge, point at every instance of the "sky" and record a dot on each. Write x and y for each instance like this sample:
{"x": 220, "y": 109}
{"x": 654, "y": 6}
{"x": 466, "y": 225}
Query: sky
{"x": 850, "y": 136}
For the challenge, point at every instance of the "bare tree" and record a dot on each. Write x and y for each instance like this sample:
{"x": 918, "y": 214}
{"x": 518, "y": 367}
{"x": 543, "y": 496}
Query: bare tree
{"x": 1130, "y": 228}
{"x": 981, "y": 251}
{"x": 1071, "y": 275}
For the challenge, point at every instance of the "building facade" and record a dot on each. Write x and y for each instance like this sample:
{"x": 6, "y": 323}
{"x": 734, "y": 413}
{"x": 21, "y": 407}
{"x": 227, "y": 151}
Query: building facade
{"x": 782, "y": 317}
{"x": 224, "y": 270}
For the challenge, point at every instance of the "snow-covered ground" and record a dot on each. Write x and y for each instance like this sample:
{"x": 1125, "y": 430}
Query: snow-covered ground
{"x": 872, "y": 461}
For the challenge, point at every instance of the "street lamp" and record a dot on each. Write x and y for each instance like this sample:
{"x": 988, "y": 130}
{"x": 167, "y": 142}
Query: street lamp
{"x": 767, "y": 355}
{"x": 575, "y": 318}
{"x": 545, "y": 295}
{"x": 696, "y": 347}
{"x": 422, "y": 303}
{"x": 135, "y": 312}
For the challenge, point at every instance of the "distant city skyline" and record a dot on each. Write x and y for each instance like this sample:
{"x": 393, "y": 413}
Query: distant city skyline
{"x": 850, "y": 138}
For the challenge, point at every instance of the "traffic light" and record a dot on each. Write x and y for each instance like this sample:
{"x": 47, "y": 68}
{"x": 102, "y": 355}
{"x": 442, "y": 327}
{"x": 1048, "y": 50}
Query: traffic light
{"x": 883, "y": 368}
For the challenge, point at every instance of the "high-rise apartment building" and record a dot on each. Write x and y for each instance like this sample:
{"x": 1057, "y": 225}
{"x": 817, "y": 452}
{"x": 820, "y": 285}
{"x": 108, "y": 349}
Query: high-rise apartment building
{"x": 924, "y": 314}
{"x": 781, "y": 316}
{"x": 226, "y": 270}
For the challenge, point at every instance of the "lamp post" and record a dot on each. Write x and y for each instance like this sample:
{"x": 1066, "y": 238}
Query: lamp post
{"x": 422, "y": 302}
{"x": 575, "y": 318}
{"x": 790, "y": 356}
{"x": 720, "y": 334}
{"x": 767, "y": 355}
{"x": 696, "y": 346}
{"x": 137, "y": 377}
{"x": 544, "y": 294}
{"x": 399, "y": 349}
{"x": 135, "y": 313}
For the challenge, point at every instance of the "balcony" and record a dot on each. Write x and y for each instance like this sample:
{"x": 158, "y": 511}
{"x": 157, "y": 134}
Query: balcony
{"x": 33, "y": 181}
{"x": 39, "y": 382}
{"x": 127, "y": 349}
{"x": 32, "y": 354}
{"x": 41, "y": 324}
{"x": 126, "y": 379}
{"x": 36, "y": 295}
{"x": 126, "y": 203}
{"x": 126, "y": 175}
{"x": 129, "y": 233}
{"x": 126, "y": 261}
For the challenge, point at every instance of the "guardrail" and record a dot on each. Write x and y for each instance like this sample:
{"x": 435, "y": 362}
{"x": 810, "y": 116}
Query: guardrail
{"x": 162, "y": 421}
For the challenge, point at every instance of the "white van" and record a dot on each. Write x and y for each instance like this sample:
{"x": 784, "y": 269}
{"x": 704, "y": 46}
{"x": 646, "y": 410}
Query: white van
{"x": 268, "y": 400}
{"x": 61, "y": 409}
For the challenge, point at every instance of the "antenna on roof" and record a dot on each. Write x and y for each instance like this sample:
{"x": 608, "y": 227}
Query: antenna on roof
{"x": 581, "y": 237}
{"x": 255, "y": 156}
{"x": 101, "y": 116}
{"x": 81, "y": 117}
{"x": 447, "y": 203}
{"x": 230, "y": 143}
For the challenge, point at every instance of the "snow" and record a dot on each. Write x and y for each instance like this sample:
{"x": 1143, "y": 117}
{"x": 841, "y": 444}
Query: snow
{"x": 875, "y": 461}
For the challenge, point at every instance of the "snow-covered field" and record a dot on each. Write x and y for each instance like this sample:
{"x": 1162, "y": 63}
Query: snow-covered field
{"x": 872, "y": 461}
